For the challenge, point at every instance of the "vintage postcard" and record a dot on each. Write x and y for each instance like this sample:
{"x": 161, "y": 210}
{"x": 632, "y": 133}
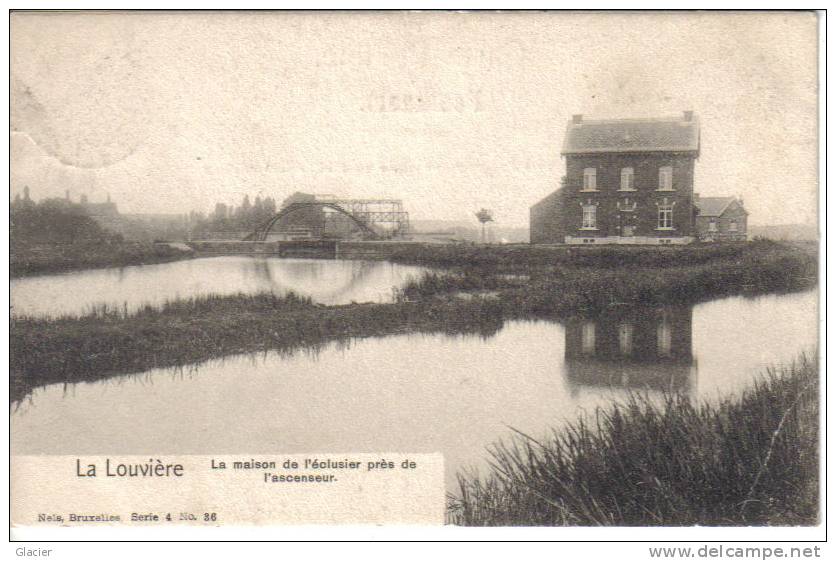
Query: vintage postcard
{"x": 414, "y": 269}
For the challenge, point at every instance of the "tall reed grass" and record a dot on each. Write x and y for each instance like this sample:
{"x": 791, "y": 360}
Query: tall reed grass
{"x": 747, "y": 460}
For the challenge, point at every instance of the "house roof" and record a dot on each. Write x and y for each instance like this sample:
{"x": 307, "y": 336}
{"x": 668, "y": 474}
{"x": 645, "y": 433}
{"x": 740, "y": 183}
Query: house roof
{"x": 673, "y": 134}
{"x": 713, "y": 206}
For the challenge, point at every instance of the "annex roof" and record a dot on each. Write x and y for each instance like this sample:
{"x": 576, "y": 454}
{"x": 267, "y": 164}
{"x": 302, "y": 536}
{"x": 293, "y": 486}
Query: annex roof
{"x": 713, "y": 206}
{"x": 672, "y": 134}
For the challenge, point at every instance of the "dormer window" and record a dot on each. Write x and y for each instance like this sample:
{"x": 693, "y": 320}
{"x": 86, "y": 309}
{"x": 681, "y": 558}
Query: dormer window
{"x": 589, "y": 180}
{"x": 666, "y": 178}
{"x": 627, "y": 180}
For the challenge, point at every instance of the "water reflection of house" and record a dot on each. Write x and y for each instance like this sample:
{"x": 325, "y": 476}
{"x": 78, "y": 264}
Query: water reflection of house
{"x": 633, "y": 347}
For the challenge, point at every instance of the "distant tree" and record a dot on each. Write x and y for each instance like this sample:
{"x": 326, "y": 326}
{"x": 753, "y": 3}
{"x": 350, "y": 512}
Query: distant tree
{"x": 245, "y": 212}
{"x": 226, "y": 218}
{"x": 242, "y": 216}
{"x": 269, "y": 206}
{"x": 484, "y": 216}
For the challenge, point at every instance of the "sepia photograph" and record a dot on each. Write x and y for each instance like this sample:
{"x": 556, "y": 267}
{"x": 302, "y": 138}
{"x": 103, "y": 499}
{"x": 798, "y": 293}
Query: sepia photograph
{"x": 450, "y": 269}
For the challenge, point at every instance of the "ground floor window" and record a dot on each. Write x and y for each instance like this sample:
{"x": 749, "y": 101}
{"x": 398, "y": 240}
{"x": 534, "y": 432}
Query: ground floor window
{"x": 663, "y": 338}
{"x": 666, "y": 216}
{"x": 625, "y": 338}
{"x": 588, "y": 217}
{"x": 588, "y": 338}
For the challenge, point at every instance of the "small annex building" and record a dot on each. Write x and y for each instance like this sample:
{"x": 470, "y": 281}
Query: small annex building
{"x": 721, "y": 219}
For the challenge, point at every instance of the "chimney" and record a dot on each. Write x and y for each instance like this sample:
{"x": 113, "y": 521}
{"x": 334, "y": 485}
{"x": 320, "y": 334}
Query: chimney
{"x": 26, "y": 193}
{"x": 577, "y": 119}
{"x": 67, "y": 194}
{"x": 688, "y": 115}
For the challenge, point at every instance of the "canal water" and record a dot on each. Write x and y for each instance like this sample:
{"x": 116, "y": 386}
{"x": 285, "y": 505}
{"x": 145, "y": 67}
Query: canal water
{"x": 422, "y": 393}
{"x": 326, "y": 281}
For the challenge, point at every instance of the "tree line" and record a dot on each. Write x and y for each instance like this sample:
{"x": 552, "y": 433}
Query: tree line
{"x": 54, "y": 221}
{"x": 62, "y": 221}
{"x": 244, "y": 217}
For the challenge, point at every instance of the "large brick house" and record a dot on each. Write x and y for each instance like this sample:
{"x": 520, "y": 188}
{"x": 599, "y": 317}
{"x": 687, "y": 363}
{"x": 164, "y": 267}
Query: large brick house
{"x": 721, "y": 219}
{"x": 627, "y": 181}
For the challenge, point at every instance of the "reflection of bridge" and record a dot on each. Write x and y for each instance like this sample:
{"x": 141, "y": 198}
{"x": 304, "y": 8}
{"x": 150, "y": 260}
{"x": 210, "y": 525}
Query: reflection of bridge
{"x": 632, "y": 347}
{"x": 304, "y": 277}
{"x": 373, "y": 218}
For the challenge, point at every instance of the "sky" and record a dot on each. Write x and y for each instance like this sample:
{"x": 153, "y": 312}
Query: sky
{"x": 171, "y": 112}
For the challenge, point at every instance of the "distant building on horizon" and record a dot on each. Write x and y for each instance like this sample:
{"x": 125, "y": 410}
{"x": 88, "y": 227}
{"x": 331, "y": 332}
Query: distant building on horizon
{"x": 134, "y": 227}
{"x": 104, "y": 209}
{"x": 628, "y": 181}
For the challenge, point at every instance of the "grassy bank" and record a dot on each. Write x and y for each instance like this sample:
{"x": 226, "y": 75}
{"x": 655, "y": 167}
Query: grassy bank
{"x": 106, "y": 342}
{"x": 61, "y": 258}
{"x": 588, "y": 281}
{"x": 520, "y": 258}
{"x": 749, "y": 460}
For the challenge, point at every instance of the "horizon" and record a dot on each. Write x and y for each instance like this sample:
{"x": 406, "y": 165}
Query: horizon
{"x": 458, "y": 221}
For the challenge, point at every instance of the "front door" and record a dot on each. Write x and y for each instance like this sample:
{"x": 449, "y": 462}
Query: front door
{"x": 627, "y": 231}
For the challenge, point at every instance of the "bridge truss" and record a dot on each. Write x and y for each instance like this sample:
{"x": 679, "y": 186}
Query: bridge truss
{"x": 379, "y": 214}
{"x": 375, "y": 218}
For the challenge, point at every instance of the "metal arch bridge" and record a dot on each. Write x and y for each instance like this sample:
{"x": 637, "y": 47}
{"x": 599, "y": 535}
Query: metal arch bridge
{"x": 364, "y": 213}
